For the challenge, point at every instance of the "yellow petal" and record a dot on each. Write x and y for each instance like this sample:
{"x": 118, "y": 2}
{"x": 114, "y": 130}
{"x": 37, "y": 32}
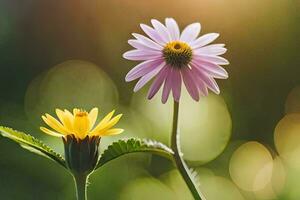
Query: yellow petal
{"x": 53, "y": 123}
{"x": 113, "y": 121}
{"x": 107, "y": 126}
{"x": 49, "y": 132}
{"x": 81, "y": 124}
{"x": 75, "y": 111}
{"x": 69, "y": 115}
{"x": 65, "y": 119}
{"x": 93, "y": 117}
{"x": 114, "y": 131}
{"x": 103, "y": 121}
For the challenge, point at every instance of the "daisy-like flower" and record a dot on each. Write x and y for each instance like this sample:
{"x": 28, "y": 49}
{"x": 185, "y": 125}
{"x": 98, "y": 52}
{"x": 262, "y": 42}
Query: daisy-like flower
{"x": 173, "y": 57}
{"x": 81, "y": 124}
{"x": 81, "y": 136}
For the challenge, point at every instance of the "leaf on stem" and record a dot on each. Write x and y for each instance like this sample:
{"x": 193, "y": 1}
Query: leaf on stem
{"x": 133, "y": 145}
{"x": 32, "y": 144}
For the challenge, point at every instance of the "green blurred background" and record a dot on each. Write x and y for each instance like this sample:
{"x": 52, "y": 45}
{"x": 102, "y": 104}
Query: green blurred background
{"x": 244, "y": 144}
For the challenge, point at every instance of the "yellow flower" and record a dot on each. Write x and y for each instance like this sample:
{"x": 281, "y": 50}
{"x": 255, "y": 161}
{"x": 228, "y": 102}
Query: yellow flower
{"x": 81, "y": 124}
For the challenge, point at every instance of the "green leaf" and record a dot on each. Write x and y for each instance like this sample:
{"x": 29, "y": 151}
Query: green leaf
{"x": 133, "y": 145}
{"x": 32, "y": 144}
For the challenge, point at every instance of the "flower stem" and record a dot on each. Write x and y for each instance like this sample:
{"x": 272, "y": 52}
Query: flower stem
{"x": 81, "y": 185}
{"x": 179, "y": 162}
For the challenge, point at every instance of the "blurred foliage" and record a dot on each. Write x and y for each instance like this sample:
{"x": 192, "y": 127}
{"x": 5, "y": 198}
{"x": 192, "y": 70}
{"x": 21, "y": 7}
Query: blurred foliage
{"x": 65, "y": 54}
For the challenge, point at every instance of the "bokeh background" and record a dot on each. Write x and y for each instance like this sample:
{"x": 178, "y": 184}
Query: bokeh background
{"x": 244, "y": 143}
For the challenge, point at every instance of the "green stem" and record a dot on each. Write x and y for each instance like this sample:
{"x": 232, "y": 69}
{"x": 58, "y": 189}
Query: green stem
{"x": 81, "y": 185}
{"x": 180, "y": 164}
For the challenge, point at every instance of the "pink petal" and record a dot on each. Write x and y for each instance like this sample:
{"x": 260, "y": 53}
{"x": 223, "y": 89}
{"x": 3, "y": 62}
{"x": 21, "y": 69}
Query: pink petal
{"x": 176, "y": 84}
{"x": 202, "y": 87}
{"x": 211, "y": 68}
{"x": 216, "y": 45}
{"x": 210, "y": 82}
{"x": 211, "y": 58}
{"x": 152, "y": 34}
{"x": 191, "y": 32}
{"x": 161, "y": 30}
{"x": 167, "y": 86}
{"x": 204, "y": 40}
{"x": 142, "y": 69}
{"x": 145, "y": 79}
{"x": 214, "y": 49}
{"x": 157, "y": 82}
{"x": 200, "y": 84}
{"x": 190, "y": 83}
{"x": 215, "y": 86}
{"x": 142, "y": 55}
{"x": 140, "y": 45}
{"x": 147, "y": 41}
{"x": 173, "y": 28}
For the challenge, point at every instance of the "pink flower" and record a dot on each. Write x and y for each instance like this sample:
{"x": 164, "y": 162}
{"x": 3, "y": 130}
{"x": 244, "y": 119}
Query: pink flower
{"x": 172, "y": 57}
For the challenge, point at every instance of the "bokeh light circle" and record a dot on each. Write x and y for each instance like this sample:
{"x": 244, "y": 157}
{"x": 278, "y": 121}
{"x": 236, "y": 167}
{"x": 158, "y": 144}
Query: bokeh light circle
{"x": 157, "y": 114}
{"x": 212, "y": 187}
{"x": 217, "y": 187}
{"x": 74, "y": 83}
{"x": 251, "y": 166}
{"x": 292, "y": 104}
{"x": 275, "y": 187}
{"x": 287, "y": 139}
{"x": 174, "y": 181}
{"x": 205, "y": 126}
{"x": 146, "y": 188}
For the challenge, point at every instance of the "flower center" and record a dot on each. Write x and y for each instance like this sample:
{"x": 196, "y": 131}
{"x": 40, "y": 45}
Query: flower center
{"x": 177, "y": 54}
{"x": 81, "y": 124}
{"x": 81, "y": 114}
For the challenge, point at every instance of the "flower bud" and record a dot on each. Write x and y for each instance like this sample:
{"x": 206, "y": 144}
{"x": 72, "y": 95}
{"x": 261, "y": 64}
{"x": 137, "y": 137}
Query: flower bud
{"x": 81, "y": 154}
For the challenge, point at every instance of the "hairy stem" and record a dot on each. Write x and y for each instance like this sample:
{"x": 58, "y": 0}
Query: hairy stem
{"x": 81, "y": 185}
{"x": 180, "y": 164}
